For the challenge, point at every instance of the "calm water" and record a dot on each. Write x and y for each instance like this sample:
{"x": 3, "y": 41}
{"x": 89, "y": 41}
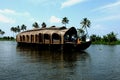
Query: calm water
{"x": 98, "y": 62}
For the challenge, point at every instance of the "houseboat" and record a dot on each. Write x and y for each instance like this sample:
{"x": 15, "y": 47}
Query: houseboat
{"x": 53, "y": 37}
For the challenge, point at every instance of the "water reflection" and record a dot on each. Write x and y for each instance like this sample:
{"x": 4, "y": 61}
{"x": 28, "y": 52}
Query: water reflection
{"x": 98, "y": 62}
{"x": 52, "y": 56}
{"x": 60, "y": 65}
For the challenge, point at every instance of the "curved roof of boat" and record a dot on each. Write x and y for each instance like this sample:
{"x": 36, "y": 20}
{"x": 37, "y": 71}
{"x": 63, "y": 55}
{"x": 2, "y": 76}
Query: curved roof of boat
{"x": 50, "y": 31}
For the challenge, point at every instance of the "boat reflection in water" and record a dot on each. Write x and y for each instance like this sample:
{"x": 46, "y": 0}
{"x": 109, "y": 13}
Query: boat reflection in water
{"x": 58, "y": 65}
{"x": 52, "y": 55}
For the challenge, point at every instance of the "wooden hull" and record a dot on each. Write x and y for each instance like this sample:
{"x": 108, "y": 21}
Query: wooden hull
{"x": 66, "y": 47}
{"x": 77, "y": 47}
{"x": 83, "y": 46}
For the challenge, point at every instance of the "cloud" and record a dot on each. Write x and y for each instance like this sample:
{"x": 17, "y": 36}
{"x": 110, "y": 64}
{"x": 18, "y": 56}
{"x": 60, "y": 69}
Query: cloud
{"x": 5, "y": 19}
{"x": 4, "y": 16}
{"x": 71, "y": 3}
{"x": 12, "y": 16}
{"x": 54, "y": 19}
{"x": 110, "y": 12}
{"x": 44, "y": 3}
{"x": 109, "y": 6}
{"x": 7, "y": 11}
{"x": 13, "y": 12}
{"x": 110, "y": 17}
{"x": 37, "y": 1}
{"x": 99, "y": 29}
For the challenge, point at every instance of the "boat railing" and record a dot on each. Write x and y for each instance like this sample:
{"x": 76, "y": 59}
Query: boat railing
{"x": 47, "y": 41}
{"x": 56, "y": 42}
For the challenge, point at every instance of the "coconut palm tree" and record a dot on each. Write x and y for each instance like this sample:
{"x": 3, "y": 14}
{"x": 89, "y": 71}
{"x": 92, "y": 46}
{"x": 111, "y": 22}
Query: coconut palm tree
{"x": 23, "y": 27}
{"x": 80, "y": 32}
{"x": 65, "y": 21}
{"x": 18, "y": 29}
{"x": 85, "y": 23}
{"x": 43, "y": 25}
{"x": 2, "y": 32}
{"x": 13, "y": 30}
{"x": 35, "y": 25}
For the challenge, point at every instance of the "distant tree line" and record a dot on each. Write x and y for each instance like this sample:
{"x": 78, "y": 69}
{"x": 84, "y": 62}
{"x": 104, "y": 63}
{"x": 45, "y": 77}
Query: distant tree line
{"x": 7, "y": 38}
{"x": 23, "y": 27}
{"x": 18, "y": 28}
{"x": 109, "y": 38}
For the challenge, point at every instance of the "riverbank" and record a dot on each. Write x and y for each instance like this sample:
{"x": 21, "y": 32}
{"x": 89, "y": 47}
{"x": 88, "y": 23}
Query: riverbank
{"x": 95, "y": 42}
{"x": 7, "y": 39}
{"x": 107, "y": 43}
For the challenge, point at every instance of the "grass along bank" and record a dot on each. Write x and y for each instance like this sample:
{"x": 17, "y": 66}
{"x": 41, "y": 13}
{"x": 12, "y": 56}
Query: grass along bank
{"x": 7, "y": 38}
{"x": 107, "y": 43}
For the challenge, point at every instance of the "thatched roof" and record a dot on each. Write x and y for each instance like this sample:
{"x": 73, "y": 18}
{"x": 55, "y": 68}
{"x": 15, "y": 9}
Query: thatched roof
{"x": 50, "y": 31}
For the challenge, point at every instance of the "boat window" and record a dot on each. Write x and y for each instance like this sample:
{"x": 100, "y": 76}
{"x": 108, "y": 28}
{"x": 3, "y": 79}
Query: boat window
{"x": 66, "y": 37}
{"x": 32, "y": 38}
{"x": 40, "y": 37}
{"x": 73, "y": 37}
{"x": 27, "y": 38}
{"x": 46, "y": 36}
{"x": 56, "y": 36}
{"x": 36, "y": 38}
{"x": 20, "y": 38}
{"x": 70, "y": 38}
{"x": 70, "y": 35}
{"x": 23, "y": 38}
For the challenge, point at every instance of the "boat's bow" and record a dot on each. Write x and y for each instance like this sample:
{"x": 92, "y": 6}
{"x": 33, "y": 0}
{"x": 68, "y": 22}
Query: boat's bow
{"x": 83, "y": 45}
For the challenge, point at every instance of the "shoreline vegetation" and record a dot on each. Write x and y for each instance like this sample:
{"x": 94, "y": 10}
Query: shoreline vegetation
{"x": 108, "y": 39}
{"x": 8, "y": 38}
{"x": 107, "y": 43}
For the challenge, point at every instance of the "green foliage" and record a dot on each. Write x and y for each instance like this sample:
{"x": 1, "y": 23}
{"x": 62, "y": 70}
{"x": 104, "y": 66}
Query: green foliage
{"x": 65, "y": 21}
{"x": 2, "y": 32}
{"x": 18, "y": 29}
{"x": 15, "y": 29}
{"x": 35, "y": 25}
{"x": 43, "y": 25}
{"x": 85, "y": 23}
{"x": 81, "y": 32}
{"x": 110, "y": 38}
{"x": 95, "y": 38}
{"x": 7, "y": 38}
{"x": 23, "y": 27}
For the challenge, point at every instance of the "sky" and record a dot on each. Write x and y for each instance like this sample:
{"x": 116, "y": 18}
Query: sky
{"x": 103, "y": 14}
